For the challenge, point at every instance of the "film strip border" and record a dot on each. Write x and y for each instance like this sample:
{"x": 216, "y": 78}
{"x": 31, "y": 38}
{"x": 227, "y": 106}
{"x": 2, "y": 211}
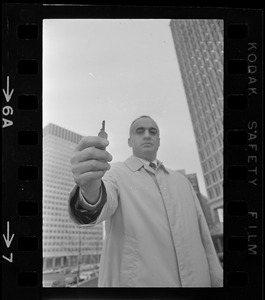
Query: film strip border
{"x": 22, "y": 148}
{"x": 22, "y": 151}
{"x": 242, "y": 152}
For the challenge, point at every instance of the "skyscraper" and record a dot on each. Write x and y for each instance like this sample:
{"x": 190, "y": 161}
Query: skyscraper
{"x": 217, "y": 235}
{"x": 203, "y": 200}
{"x": 199, "y": 49}
{"x": 64, "y": 243}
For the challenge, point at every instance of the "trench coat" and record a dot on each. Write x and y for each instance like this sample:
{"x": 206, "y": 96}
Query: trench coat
{"x": 156, "y": 232}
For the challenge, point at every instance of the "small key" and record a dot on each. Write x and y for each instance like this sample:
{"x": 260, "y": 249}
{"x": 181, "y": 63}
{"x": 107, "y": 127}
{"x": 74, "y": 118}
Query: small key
{"x": 103, "y": 133}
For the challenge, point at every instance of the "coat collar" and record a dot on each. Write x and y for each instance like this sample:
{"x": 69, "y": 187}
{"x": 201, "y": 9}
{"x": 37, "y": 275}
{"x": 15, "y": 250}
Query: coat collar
{"x": 135, "y": 164}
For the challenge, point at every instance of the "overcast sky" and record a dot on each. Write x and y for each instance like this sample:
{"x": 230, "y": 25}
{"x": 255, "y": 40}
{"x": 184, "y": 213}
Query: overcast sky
{"x": 117, "y": 70}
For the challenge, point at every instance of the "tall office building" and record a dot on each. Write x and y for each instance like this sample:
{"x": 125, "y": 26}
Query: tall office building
{"x": 217, "y": 236}
{"x": 64, "y": 243}
{"x": 203, "y": 200}
{"x": 199, "y": 49}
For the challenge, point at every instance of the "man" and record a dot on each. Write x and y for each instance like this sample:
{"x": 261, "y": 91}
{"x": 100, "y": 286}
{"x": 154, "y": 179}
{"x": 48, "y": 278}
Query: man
{"x": 156, "y": 233}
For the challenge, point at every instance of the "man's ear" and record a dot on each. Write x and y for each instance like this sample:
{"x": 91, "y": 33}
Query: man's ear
{"x": 129, "y": 142}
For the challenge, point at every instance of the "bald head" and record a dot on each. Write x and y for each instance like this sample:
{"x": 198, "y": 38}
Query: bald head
{"x": 142, "y": 117}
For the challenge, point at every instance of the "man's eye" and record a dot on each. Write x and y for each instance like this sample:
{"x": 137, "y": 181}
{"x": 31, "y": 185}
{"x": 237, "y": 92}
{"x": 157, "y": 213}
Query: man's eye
{"x": 153, "y": 131}
{"x": 139, "y": 131}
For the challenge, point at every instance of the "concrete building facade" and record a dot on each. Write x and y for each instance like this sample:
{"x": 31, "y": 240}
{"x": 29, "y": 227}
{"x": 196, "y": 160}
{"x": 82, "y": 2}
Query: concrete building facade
{"x": 199, "y": 49}
{"x": 206, "y": 207}
{"x": 64, "y": 243}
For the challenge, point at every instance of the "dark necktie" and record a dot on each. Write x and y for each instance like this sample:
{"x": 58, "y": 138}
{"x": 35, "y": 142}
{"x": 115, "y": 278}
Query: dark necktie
{"x": 152, "y": 165}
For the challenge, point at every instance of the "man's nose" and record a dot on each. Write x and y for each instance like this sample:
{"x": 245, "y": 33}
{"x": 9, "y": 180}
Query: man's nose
{"x": 147, "y": 134}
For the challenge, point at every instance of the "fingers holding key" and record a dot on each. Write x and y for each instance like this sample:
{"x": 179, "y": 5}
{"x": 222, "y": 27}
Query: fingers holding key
{"x": 89, "y": 162}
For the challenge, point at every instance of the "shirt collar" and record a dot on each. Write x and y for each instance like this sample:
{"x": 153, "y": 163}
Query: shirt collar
{"x": 134, "y": 163}
{"x": 146, "y": 162}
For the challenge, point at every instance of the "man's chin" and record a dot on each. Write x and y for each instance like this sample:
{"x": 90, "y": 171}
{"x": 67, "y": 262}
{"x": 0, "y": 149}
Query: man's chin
{"x": 148, "y": 154}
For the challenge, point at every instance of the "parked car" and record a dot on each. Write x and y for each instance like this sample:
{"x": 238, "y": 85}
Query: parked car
{"x": 57, "y": 270}
{"x": 47, "y": 283}
{"x": 65, "y": 271}
{"x": 48, "y": 271}
{"x": 58, "y": 283}
{"x": 70, "y": 280}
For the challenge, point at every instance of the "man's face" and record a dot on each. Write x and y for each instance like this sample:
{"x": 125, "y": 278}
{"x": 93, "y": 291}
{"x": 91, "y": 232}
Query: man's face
{"x": 144, "y": 139}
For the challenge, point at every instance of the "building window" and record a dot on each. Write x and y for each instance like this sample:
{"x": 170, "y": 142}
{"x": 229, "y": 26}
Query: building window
{"x": 220, "y": 141}
{"x": 208, "y": 151}
{"x": 211, "y": 164}
{"x": 217, "y": 190}
{"x": 214, "y": 176}
{"x": 220, "y": 171}
{"x": 208, "y": 180}
{"x": 214, "y": 145}
{"x": 211, "y": 135}
{"x": 211, "y": 194}
{"x": 205, "y": 168}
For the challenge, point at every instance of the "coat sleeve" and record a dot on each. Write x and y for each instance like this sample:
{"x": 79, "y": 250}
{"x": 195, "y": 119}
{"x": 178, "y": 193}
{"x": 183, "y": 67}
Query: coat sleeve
{"x": 80, "y": 215}
{"x": 216, "y": 271}
{"x": 105, "y": 208}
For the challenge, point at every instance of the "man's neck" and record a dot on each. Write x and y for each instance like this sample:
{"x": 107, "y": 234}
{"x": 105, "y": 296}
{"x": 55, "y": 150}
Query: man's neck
{"x": 147, "y": 161}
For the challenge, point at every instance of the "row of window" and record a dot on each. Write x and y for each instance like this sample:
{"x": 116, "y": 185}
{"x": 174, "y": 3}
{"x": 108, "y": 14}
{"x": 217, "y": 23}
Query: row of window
{"x": 208, "y": 147}
{"x": 204, "y": 117}
{"x": 91, "y": 242}
{"x": 204, "y": 76}
{"x": 60, "y": 159}
{"x": 72, "y": 226}
{"x": 210, "y": 151}
{"x": 56, "y": 200}
{"x": 51, "y": 213}
{"x": 62, "y": 133}
{"x": 60, "y": 225}
{"x": 215, "y": 191}
{"x": 205, "y": 98}
{"x": 206, "y": 104}
{"x": 214, "y": 75}
{"x": 62, "y": 178}
{"x": 72, "y": 235}
{"x": 203, "y": 31}
{"x": 71, "y": 250}
{"x": 213, "y": 177}
{"x": 54, "y": 203}
{"x": 49, "y": 210}
{"x": 202, "y": 54}
{"x": 56, "y": 188}
{"x": 57, "y": 168}
{"x": 210, "y": 122}
{"x": 199, "y": 33}
{"x": 52, "y": 143}
{"x": 64, "y": 218}
{"x": 209, "y": 83}
{"x": 54, "y": 149}
{"x": 60, "y": 182}
{"x": 209, "y": 165}
{"x": 73, "y": 229}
